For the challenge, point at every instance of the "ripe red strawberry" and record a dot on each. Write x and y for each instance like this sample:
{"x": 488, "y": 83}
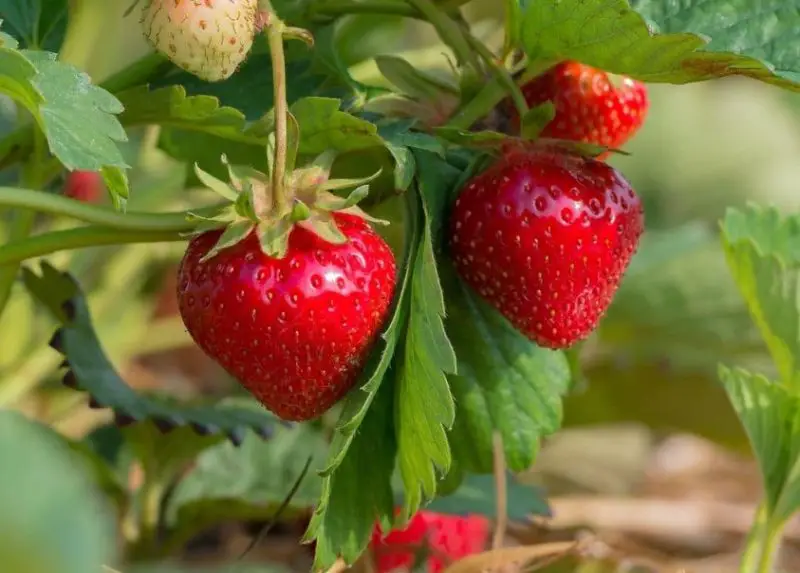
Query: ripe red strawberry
{"x": 590, "y": 106}
{"x": 444, "y": 538}
{"x": 295, "y": 331}
{"x": 86, "y": 186}
{"x": 545, "y": 237}
{"x": 208, "y": 38}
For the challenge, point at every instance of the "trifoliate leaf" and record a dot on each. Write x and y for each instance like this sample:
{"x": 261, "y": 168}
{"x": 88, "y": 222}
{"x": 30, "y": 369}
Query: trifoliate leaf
{"x": 763, "y": 252}
{"x": 89, "y": 370}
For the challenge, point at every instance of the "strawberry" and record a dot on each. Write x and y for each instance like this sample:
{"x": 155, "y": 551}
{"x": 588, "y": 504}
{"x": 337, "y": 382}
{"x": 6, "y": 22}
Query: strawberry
{"x": 545, "y": 237}
{"x": 294, "y": 330}
{"x": 208, "y": 38}
{"x": 443, "y": 538}
{"x": 84, "y": 186}
{"x": 591, "y": 107}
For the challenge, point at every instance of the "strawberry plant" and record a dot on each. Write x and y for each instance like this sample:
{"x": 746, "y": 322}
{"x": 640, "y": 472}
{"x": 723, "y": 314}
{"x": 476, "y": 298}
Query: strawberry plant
{"x": 405, "y": 255}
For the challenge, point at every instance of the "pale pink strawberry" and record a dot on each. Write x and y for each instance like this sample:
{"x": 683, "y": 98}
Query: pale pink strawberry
{"x": 208, "y": 38}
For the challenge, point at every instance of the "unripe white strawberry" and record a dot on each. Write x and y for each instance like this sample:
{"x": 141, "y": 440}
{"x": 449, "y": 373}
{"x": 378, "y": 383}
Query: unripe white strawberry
{"x": 208, "y": 38}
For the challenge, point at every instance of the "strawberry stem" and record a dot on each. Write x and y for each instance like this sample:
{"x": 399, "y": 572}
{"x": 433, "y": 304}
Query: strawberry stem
{"x": 275, "y": 28}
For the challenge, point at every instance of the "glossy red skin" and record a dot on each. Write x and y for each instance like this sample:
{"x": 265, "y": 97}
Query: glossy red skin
{"x": 545, "y": 238}
{"x": 294, "y": 331}
{"x": 589, "y": 107}
{"x": 450, "y": 536}
{"x": 87, "y": 186}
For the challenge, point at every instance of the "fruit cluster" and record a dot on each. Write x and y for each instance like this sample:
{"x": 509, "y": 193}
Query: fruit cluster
{"x": 543, "y": 234}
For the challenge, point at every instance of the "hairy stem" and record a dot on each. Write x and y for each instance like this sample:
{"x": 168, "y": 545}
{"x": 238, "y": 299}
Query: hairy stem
{"x": 15, "y": 252}
{"x": 96, "y": 214}
{"x": 275, "y": 30}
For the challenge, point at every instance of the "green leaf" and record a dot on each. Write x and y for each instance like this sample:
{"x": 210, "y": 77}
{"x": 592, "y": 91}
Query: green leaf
{"x": 400, "y": 140}
{"x": 763, "y": 253}
{"x": 323, "y": 126}
{"x": 765, "y": 32}
{"x": 504, "y": 383}
{"x": 425, "y": 408}
{"x": 89, "y": 370}
{"x": 172, "y": 108}
{"x": 477, "y": 494}
{"x": 78, "y": 118}
{"x": 356, "y": 486}
{"x": 246, "y": 483}
{"x": 619, "y": 41}
{"x": 771, "y": 418}
{"x": 38, "y": 24}
{"x": 47, "y": 502}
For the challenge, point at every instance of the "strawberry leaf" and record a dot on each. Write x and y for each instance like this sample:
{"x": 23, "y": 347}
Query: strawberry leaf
{"x": 771, "y": 417}
{"x": 82, "y": 132}
{"x": 763, "y": 253}
{"x": 324, "y": 127}
{"x": 89, "y": 370}
{"x": 620, "y": 41}
{"x": 504, "y": 383}
{"x": 356, "y": 485}
{"x": 424, "y": 405}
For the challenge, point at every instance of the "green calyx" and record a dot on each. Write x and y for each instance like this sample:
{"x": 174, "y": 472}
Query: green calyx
{"x": 311, "y": 203}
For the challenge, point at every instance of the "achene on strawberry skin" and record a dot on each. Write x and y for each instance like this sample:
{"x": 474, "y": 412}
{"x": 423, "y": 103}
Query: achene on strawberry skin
{"x": 545, "y": 238}
{"x": 591, "y": 105}
{"x": 295, "y": 331}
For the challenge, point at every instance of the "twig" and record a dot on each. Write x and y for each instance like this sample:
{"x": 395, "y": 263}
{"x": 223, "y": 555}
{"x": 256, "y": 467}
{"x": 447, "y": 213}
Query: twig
{"x": 501, "y": 487}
